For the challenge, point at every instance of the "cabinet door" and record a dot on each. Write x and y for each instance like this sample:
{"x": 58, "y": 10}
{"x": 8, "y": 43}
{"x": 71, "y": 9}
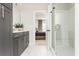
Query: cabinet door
{"x": 26, "y": 39}
{"x": 1, "y": 32}
{"x": 20, "y": 45}
{"x": 15, "y": 46}
{"x": 7, "y": 31}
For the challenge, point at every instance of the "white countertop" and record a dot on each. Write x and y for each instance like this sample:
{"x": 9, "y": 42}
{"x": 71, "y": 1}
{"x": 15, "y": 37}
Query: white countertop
{"x": 18, "y": 31}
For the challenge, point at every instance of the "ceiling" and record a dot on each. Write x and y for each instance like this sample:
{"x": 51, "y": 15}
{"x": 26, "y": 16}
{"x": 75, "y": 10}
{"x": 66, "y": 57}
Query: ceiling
{"x": 40, "y": 15}
{"x": 44, "y": 6}
{"x": 35, "y": 6}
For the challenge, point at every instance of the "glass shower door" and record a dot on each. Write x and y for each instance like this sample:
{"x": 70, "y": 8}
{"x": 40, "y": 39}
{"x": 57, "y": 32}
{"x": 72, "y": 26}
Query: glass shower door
{"x": 65, "y": 29}
{"x": 53, "y": 32}
{"x": 50, "y": 28}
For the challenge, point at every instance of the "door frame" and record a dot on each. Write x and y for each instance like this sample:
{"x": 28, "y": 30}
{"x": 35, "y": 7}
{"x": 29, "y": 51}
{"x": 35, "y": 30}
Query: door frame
{"x": 34, "y": 13}
{"x": 50, "y": 27}
{"x": 48, "y": 40}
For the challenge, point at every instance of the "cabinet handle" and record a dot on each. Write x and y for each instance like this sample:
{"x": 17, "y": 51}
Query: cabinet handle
{"x": 3, "y": 12}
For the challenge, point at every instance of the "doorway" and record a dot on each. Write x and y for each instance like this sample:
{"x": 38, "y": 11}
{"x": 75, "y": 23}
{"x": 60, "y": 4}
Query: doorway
{"x": 40, "y": 27}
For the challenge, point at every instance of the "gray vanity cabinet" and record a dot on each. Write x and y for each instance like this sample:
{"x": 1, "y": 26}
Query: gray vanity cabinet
{"x": 5, "y": 31}
{"x": 18, "y": 45}
{"x": 26, "y": 39}
{"x": 8, "y": 5}
{"x": 1, "y": 32}
{"x": 15, "y": 46}
{"x": 20, "y": 42}
{"x": 21, "y": 45}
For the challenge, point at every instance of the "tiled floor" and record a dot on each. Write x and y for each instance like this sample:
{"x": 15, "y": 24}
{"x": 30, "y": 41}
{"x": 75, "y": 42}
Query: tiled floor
{"x": 62, "y": 50}
{"x": 41, "y": 42}
{"x": 41, "y": 49}
{"x": 37, "y": 50}
{"x": 65, "y": 51}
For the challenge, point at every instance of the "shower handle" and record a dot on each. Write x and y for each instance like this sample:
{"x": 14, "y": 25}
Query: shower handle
{"x": 56, "y": 27}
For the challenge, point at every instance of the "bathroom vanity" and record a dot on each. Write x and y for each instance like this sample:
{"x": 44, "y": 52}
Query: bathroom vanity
{"x": 20, "y": 42}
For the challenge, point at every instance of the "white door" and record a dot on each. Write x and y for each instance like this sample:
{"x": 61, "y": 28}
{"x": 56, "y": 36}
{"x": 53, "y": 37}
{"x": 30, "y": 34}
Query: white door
{"x": 50, "y": 28}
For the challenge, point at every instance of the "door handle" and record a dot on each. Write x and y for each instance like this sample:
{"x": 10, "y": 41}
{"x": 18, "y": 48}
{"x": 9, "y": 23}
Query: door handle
{"x": 3, "y": 12}
{"x": 48, "y": 30}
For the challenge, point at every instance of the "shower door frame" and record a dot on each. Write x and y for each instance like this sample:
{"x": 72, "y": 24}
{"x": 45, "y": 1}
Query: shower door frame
{"x": 51, "y": 33}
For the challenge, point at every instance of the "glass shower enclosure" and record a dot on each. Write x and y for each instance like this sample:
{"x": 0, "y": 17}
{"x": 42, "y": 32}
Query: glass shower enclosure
{"x": 63, "y": 29}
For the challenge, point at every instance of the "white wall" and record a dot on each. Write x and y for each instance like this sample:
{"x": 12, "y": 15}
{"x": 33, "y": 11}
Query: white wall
{"x": 43, "y": 24}
{"x": 29, "y": 24}
{"x": 27, "y": 16}
{"x": 77, "y": 29}
{"x": 16, "y": 14}
{"x": 41, "y": 15}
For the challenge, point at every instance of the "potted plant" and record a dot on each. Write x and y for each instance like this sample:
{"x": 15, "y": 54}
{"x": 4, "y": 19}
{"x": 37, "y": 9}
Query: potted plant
{"x": 19, "y": 26}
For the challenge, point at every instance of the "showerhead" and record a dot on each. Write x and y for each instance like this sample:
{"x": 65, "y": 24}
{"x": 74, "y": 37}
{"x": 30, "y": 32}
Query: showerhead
{"x": 54, "y": 7}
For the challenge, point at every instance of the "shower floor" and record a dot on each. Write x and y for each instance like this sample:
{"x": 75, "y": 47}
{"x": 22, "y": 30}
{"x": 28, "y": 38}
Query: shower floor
{"x": 62, "y": 50}
{"x": 65, "y": 51}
